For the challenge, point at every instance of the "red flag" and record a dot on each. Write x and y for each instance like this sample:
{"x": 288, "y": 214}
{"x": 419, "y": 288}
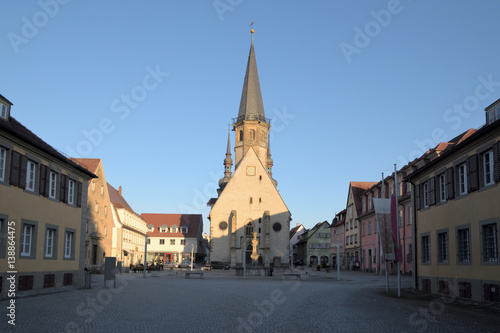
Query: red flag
{"x": 395, "y": 229}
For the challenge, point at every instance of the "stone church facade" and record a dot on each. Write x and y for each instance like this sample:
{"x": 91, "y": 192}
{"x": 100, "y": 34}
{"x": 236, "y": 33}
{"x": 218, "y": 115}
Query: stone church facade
{"x": 249, "y": 219}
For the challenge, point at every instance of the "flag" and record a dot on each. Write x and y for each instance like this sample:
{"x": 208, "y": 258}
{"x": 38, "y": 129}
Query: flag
{"x": 383, "y": 214}
{"x": 395, "y": 229}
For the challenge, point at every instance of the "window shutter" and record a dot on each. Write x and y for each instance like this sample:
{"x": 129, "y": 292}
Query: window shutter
{"x": 79, "y": 195}
{"x": 62, "y": 192}
{"x": 23, "y": 169}
{"x": 432, "y": 191}
{"x": 472, "y": 174}
{"x": 450, "y": 185}
{"x": 14, "y": 168}
{"x": 417, "y": 196}
{"x": 496, "y": 161}
{"x": 44, "y": 184}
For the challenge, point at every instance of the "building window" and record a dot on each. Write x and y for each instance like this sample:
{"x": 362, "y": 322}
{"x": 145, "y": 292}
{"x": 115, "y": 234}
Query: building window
{"x": 162, "y": 242}
{"x": 172, "y": 242}
{"x": 488, "y": 168}
{"x": 149, "y": 241}
{"x": 410, "y": 215}
{"x": 250, "y": 200}
{"x": 71, "y": 191}
{"x": 163, "y": 230}
{"x": 49, "y": 243}
{"x": 425, "y": 190}
{"x": 363, "y": 228}
{"x": 173, "y": 230}
{"x": 490, "y": 242}
{"x": 463, "y": 252}
{"x": 355, "y": 223}
{"x": 26, "y": 237}
{"x": 400, "y": 218}
{"x": 369, "y": 227}
{"x": 462, "y": 179}
{"x": 442, "y": 239}
{"x": 52, "y": 185}
{"x": 105, "y": 210}
{"x": 356, "y": 238}
{"x": 349, "y": 210}
{"x": 30, "y": 176}
{"x": 442, "y": 187}
{"x": 3, "y": 111}
{"x": 68, "y": 244}
{"x": 350, "y": 225}
{"x": 184, "y": 230}
{"x": 183, "y": 242}
{"x": 252, "y": 134}
{"x": 241, "y": 135}
{"x": 249, "y": 229}
{"x": 363, "y": 205}
{"x": 3, "y": 159}
{"x": 426, "y": 249}
{"x": 102, "y": 190}
{"x": 96, "y": 207}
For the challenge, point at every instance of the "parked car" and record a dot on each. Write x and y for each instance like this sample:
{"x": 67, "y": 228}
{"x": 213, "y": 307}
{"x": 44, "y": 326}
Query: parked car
{"x": 298, "y": 262}
{"x": 185, "y": 264}
{"x": 169, "y": 265}
{"x": 219, "y": 265}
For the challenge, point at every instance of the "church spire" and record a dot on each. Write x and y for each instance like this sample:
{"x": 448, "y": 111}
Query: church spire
{"x": 251, "y": 105}
{"x": 269, "y": 161}
{"x": 228, "y": 163}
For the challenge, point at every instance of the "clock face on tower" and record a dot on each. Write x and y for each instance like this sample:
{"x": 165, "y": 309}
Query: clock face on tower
{"x": 250, "y": 171}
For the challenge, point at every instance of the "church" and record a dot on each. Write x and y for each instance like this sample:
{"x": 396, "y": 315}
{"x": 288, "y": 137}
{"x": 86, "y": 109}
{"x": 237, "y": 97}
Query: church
{"x": 249, "y": 219}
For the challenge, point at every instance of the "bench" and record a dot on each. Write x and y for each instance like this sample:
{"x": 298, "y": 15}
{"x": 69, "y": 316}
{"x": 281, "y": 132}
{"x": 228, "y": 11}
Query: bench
{"x": 206, "y": 268}
{"x": 194, "y": 273}
{"x": 297, "y": 275}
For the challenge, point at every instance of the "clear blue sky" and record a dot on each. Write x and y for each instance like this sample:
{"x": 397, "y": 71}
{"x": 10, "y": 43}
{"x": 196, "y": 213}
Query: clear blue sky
{"x": 352, "y": 87}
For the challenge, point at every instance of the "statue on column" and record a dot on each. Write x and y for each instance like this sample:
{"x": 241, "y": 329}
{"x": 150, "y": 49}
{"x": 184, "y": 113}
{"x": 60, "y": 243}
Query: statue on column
{"x": 255, "y": 242}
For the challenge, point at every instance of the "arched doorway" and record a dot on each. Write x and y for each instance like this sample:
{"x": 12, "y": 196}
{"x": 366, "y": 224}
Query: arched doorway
{"x": 313, "y": 260}
{"x": 323, "y": 260}
{"x": 248, "y": 254}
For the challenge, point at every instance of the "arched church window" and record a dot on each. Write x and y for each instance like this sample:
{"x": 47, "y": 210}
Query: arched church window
{"x": 249, "y": 229}
{"x": 252, "y": 134}
{"x": 241, "y": 135}
{"x": 262, "y": 136}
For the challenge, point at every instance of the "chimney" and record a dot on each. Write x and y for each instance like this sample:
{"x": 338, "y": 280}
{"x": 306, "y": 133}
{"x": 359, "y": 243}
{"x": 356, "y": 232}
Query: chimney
{"x": 297, "y": 224}
{"x": 120, "y": 190}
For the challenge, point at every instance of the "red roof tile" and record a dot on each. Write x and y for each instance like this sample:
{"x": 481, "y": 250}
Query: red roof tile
{"x": 194, "y": 222}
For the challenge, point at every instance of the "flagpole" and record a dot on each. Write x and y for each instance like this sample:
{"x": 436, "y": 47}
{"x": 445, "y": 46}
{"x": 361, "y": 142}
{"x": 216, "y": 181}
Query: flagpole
{"x": 385, "y": 262}
{"x": 397, "y": 226}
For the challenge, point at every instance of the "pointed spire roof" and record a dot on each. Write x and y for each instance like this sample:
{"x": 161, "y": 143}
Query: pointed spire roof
{"x": 251, "y": 98}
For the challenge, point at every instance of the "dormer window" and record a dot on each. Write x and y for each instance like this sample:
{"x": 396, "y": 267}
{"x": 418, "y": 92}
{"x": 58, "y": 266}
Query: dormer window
{"x": 163, "y": 230}
{"x": 3, "y": 111}
{"x": 173, "y": 229}
{"x": 493, "y": 115}
{"x": 184, "y": 229}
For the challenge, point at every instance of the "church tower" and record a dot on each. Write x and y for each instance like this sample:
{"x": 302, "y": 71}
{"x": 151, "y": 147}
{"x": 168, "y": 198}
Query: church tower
{"x": 249, "y": 221}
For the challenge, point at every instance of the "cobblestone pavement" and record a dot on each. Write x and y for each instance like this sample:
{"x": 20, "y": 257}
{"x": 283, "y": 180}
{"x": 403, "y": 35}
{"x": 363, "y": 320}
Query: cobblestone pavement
{"x": 223, "y": 302}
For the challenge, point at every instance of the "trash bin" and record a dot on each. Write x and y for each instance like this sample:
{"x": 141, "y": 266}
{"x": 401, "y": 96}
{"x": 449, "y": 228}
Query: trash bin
{"x": 88, "y": 278}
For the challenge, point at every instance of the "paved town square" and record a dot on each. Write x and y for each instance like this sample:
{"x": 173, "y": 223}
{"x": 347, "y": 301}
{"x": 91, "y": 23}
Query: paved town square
{"x": 167, "y": 301}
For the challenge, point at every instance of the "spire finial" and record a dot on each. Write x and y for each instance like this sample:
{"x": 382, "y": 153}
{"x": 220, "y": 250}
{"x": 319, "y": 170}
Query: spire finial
{"x": 251, "y": 30}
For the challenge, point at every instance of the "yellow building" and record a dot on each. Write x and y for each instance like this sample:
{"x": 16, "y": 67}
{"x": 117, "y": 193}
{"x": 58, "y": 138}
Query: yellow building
{"x": 249, "y": 216}
{"x": 43, "y": 207}
{"x": 99, "y": 223}
{"x": 458, "y": 216}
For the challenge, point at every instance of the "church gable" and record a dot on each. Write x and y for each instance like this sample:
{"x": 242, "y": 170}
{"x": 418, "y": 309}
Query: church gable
{"x": 250, "y": 185}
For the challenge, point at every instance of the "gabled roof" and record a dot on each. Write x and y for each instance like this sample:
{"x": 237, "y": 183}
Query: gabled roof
{"x": 358, "y": 188}
{"x": 294, "y": 230}
{"x": 117, "y": 200}
{"x": 251, "y": 98}
{"x": 194, "y": 222}
{"x": 90, "y": 164}
{"x": 18, "y": 130}
{"x": 250, "y": 156}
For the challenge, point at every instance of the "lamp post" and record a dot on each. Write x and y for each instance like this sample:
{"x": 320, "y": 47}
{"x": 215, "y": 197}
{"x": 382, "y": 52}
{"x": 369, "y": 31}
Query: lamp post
{"x": 145, "y": 254}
